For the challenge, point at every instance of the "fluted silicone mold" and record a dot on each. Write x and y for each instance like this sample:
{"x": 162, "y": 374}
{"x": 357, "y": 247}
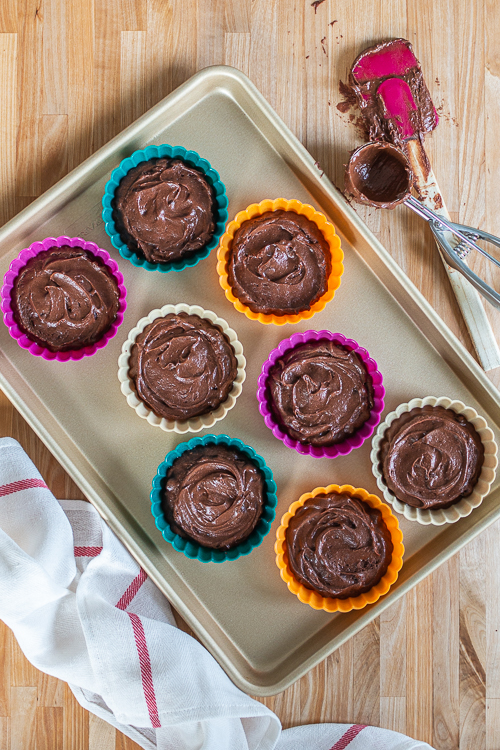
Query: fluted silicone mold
{"x": 353, "y": 441}
{"x": 8, "y": 314}
{"x": 313, "y": 598}
{"x": 192, "y": 549}
{"x": 466, "y": 505}
{"x": 191, "y": 158}
{"x": 326, "y": 228}
{"x": 194, "y": 424}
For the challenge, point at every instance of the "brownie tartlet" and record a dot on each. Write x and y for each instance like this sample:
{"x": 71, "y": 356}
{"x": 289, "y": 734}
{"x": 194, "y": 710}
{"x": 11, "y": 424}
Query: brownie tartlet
{"x": 338, "y": 545}
{"x": 164, "y": 210}
{"x": 182, "y": 366}
{"x": 431, "y": 457}
{"x": 279, "y": 263}
{"x": 320, "y": 392}
{"x": 213, "y": 495}
{"x": 65, "y": 299}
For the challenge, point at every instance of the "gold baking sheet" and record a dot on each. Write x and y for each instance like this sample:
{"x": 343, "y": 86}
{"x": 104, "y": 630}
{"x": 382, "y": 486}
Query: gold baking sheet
{"x": 242, "y": 611}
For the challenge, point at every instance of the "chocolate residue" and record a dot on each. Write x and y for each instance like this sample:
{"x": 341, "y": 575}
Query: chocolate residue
{"x": 379, "y": 175}
{"x": 332, "y": 22}
{"x": 323, "y": 45}
{"x": 438, "y": 202}
{"x": 315, "y": 4}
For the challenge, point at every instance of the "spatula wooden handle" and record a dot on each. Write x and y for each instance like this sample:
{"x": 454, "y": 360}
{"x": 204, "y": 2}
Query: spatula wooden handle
{"x": 468, "y": 298}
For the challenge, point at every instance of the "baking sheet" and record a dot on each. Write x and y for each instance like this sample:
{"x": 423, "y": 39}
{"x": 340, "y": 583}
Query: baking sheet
{"x": 242, "y": 611}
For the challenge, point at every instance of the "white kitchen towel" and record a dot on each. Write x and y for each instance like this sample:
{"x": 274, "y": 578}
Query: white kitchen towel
{"x": 84, "y": 611}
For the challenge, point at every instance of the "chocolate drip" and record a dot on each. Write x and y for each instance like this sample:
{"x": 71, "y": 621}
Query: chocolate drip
{"x": 279, "y": 263}
{"x": 431, "y": 457}
{"x": 182, "y": 366}
{"x": 164, "y": 210}
{"x": 214, "y": 495}
{"x": 65, "y": 298}
{"x": 320, "y": 392}
{"x": 338, "y": 545}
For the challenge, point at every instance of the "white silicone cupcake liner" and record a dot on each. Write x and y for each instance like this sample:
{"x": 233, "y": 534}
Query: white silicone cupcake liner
{"x": 466, "y": 505}
{"x": 195, "y": 424}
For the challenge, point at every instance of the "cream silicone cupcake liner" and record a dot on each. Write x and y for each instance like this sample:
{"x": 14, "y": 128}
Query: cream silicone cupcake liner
{"x": 195, "y": 424}
{"x": 466, "y": 505}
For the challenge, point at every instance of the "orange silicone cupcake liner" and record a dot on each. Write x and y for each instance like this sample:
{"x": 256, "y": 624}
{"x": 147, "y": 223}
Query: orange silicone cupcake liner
{"x": 313, "y": 598}
{"x": 325, "y": 227}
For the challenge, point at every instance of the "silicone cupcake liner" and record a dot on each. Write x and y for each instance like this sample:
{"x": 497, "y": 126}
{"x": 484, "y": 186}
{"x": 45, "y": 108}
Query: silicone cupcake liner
{"x": 313, "y": 598}
{"x": 326, "y": 228}
{"x": 350, "y": 443}
{"x": 193, "y": 160}
{"x": 466, "y": 505}
{"x": 8, "y": 314}
{"x": 195, "y": 424}
{"x": 192, "y": 549}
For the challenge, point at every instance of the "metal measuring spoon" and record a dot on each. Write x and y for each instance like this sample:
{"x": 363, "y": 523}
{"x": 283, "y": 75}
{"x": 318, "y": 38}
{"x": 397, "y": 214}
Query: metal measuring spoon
{"x": 380, "y": 175}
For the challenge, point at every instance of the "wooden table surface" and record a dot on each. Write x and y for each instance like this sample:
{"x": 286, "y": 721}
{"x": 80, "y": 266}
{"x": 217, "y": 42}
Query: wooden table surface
{"x": 73, "y": 73}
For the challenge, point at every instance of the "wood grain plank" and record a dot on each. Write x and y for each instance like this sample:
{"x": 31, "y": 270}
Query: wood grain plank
{"x": 23, "y": 718}
{"x": 446, "y": 646}
{"x": 107, "y": 57}
{"x": 55, "y": 57}
{"x": 75, "y": 723}
{"x": 366, "y": 663}
{"x": 492, "y": 723}
{"x": 472, "y": 646}
{"x": 393, "y": 651}
{"x": 237, "y": 16}
{"x": 9, "y": 16}
{"x": 29, "y": 84}
{"x": 102, "y": 736}
{"x": 81, "y": 66}
{"x": 50, "y": 691}
{"x": 237, "y": 51}
{"x": 49, "y": 728}
{"x": 263, "y": 25}
{"x": 211, "y": 28}
{"x": 134, "y": 15}
{"x": 8, "y": 125}
{"x": 22, "y": 672}
{"x": 54, "y": 138}
{"x": 159, "y": 56}
{"x": 492, "y": 544}
{"x": 125, "y": 743}
{"x": 132, "y": 80}
{"x": 5, "y": 652}
{"x": 4, "y": 732}
{"x": 393, "y": 714}
{"x": 290, "y": 66}
{"x": 419, "y": 656}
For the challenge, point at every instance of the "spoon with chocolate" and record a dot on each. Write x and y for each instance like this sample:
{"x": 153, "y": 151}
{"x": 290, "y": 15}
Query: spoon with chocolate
{"x": 379, "y": 174}
{"x": 397, "y": 108}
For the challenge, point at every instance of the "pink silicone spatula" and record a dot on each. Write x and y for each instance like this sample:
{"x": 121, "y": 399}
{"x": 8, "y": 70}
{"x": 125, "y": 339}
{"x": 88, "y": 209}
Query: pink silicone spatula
{"x": 397, "y": 107}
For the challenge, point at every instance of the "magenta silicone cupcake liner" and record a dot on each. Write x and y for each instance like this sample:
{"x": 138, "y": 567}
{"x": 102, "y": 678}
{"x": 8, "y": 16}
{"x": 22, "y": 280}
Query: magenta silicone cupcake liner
{"x": 8, "y": 314}
{"x": 352, "y": 442}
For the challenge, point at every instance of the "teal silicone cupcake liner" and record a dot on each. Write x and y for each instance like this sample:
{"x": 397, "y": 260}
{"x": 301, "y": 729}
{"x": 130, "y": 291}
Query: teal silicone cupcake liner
{"x": 192, "y": 549}
{"x": 193, "y": 160}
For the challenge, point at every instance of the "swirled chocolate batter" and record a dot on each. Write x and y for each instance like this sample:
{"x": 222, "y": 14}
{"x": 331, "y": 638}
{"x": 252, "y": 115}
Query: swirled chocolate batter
{"x": 214, "y": 495}
{"x": 279, "y": 263}
{"x": 182, "y": 366}
{"x": 338, "y": 545}
{"x": 164, "y": 210}
{"x": 65, "y": 298}
{"x": 320, "y": 392}
{"x": 431, "y": 457}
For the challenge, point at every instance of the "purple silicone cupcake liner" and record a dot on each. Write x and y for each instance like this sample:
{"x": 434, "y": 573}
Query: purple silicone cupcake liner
{"x": 8, "y": 315}
{"x": 352, "y": 442}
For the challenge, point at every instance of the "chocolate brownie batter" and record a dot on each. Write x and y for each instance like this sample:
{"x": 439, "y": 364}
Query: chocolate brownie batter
{"x": 182, "y": 366}
{"x": 431, "y": 457}
{"x": 320, "y": 392}
{"x": 214, "y": 495}
{"x": 279, "y": 263}
{"x": 164, "y": 210}
{"x": 338, "y": 545}
{"x": 379, "y": 175}
{"x": 65, "y": 298}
